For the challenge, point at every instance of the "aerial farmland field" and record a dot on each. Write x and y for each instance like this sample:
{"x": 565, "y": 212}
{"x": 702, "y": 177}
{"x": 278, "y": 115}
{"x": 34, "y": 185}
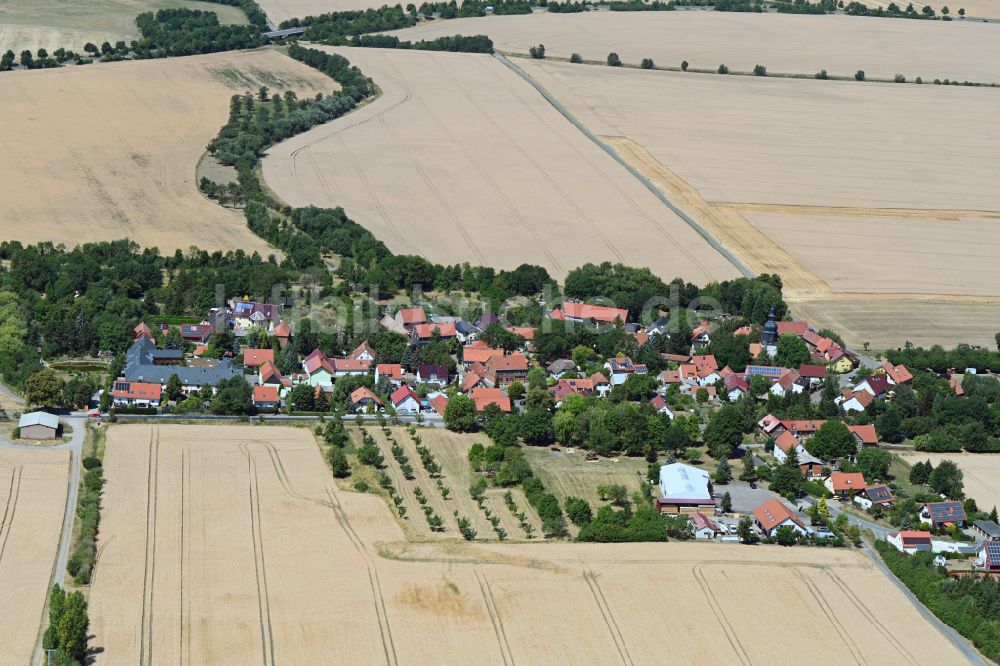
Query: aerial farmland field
{"x": 234, "y": 543}
{"x": 76, "y": 173}
{"x": 796, "y": 196}
{"x": 460, "y": 160}
{"x": 33, "y": 488}
{"x": 785, "y": 43}
{"x": 50, "y": 24}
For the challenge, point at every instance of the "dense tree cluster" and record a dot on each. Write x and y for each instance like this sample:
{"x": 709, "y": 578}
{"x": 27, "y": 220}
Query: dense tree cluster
{"x": 455, "y": 43}
{"x": 359, "y": 22}
{"x": 178, "y": 32}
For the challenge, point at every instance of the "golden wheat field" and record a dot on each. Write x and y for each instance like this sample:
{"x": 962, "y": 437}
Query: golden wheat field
{"x": 109, "y": 151}
{"x": 70, "y": 24}
{"x": 33, "y": 488}
{"x": 460, "y": 160}
{"x": 233, "y": 544}
{"x": 784, "y": 43}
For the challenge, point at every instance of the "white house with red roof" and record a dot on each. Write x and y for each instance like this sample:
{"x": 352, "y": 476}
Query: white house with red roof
{"x": 703, "y": 526}
{"x": 405, "y": 401}
{"x": 661, "y": 407}
{"x": 421, "y": 334}
{"x": 772, "y": 515}
{"x": 845, "y": 484}
{"x": 364, "y": 352}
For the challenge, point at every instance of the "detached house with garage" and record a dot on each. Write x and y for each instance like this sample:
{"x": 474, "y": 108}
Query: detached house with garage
{"x": 772, "y": 515}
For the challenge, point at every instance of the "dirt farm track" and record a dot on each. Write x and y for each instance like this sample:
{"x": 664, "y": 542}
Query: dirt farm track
{"x": 232, "y": 544}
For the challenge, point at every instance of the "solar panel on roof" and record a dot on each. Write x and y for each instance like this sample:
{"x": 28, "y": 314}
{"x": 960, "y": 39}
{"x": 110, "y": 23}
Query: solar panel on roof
{"x": 766, "y": 371}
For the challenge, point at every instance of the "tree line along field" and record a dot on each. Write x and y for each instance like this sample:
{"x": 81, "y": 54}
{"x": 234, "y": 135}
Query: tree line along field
{"x": 233, "y": 544}
{"x": 787, "y": 43}
{"x": 51, "y": 24}
{"x": 460, "y": 160}
{"x": 33, "y": 487}
{"x": 90, "y": 175}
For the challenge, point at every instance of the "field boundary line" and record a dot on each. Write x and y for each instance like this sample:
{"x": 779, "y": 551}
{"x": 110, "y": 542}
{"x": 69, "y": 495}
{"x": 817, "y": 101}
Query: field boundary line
{"x": 494, "y": 612}
{"x": 709, "y": 238}
{"x": 608, "y": 616}
{"x": 720, "y": 615}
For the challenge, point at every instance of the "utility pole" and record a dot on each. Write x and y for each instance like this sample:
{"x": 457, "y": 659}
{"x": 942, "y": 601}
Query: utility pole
{"x": 48, "y": 656}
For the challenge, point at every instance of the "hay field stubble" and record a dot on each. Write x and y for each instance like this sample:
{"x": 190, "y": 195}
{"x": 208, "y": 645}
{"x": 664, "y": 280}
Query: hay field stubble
{"x": 460, "y": 160}
{"x": 788, "y": 43}
{"x": 33, "y": 487}
{"x": 249, "y": 546}
{"x": 838, "y": 203}
{"x": 109, "y": 151}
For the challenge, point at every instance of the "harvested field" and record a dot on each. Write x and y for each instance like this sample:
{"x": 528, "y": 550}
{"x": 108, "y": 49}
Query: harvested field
{"x": 784, "y": 43}
{"x": 906, "y": 250}
{"x": 877, "y": 199}
{"x": 888, "y": 322}
{"x": 973, "y": 8}
{"x": 282, "y": 10}
{"x": 50, "y": 24}
{"x": 75, "y": 173}
{"x": 461, "y": 160}
{"x": 232, "y": 543}
{"x": 33, "y": 488}
{"x": 725, "y": 135}
{"x": 981, "y": 472}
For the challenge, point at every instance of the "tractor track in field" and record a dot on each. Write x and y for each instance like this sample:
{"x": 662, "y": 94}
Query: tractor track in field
{"x": 149, "y": 567}
{"x": 7, "y": 523}
{"x": 260, "y": 565}
{"x": 831, "y": 617}
{"x": 608, "y": 616}
{"x": 720, "y": 615}
{"x": 494, "y": 612}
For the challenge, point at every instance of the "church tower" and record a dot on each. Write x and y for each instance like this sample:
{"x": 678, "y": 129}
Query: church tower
{"x": 769, "y": 335}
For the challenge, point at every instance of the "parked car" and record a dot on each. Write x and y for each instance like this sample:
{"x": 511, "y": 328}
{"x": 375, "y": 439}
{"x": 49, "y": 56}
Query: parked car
{"x": 753, "y": 484}
{"x": 824, "y": 533}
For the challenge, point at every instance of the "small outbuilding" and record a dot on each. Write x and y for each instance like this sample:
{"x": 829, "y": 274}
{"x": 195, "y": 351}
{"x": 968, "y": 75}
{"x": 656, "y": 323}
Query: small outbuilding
{"x": 38, "y": 425}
